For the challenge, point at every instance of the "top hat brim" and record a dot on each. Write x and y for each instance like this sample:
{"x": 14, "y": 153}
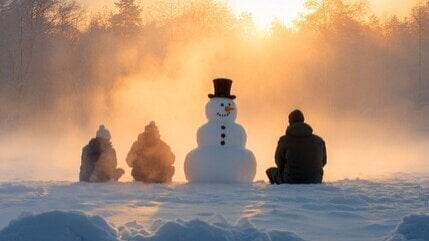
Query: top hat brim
{"x": 222, "y": 96}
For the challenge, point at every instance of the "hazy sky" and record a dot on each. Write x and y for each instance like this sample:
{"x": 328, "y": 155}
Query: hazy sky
{"x": 286, "y": 10}
{"x": 354, "y": 91}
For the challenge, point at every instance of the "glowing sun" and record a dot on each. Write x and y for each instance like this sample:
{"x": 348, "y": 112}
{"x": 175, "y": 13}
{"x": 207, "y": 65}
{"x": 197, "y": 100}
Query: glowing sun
{"x": 265, "y": 11}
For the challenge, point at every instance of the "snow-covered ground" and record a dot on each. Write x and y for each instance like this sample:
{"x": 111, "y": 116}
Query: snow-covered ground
{"x": 390, "y": 209}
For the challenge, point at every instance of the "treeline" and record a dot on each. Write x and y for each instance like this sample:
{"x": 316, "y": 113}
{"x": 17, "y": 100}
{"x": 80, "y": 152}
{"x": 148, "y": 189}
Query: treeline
{"x": 57, "y": 65}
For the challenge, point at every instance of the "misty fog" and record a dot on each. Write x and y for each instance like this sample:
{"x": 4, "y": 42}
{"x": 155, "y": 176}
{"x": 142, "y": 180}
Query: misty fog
{"x": 362, "y": 82}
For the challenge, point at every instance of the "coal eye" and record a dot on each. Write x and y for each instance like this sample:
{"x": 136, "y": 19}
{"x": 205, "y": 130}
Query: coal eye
{"x": 222, "y": 104}
{"x": 229, "y": 104}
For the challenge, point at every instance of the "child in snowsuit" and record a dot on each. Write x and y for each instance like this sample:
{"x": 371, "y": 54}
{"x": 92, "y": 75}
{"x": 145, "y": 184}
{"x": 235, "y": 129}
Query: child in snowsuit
{"x": 151, "y": 158}
{"x": 98, "y": 161}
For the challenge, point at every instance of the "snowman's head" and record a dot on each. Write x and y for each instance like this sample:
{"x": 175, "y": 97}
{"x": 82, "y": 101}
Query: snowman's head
{"x": 221, "y": 109}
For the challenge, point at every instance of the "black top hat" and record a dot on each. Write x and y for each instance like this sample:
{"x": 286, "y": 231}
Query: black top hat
{"x": 222, "y": 88}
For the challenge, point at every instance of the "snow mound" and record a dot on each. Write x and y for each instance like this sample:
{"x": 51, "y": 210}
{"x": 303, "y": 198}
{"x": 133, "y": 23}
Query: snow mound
{"x": 413, "y": 227}
{"x": 73, "y": 226}
{"x": 197, "y": 230}
{"x": 58, "y": 225}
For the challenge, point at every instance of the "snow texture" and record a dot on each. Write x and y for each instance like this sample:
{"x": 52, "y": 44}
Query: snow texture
{"x": 412, "y": 227}
{"x": 57, "y": 225}
{"x": 197, "y": 230}
{"x": 72, "y": 226}
{"x": 151, "y": 158}
{"x": 348, "y": 210}
{"x": 221, "y": 156}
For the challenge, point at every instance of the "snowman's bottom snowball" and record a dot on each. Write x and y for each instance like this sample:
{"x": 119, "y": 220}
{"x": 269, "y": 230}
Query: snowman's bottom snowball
{"x": 220, "y": 165}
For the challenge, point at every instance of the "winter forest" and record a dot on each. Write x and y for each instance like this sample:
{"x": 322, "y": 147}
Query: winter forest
{"x": 362, "y": 80}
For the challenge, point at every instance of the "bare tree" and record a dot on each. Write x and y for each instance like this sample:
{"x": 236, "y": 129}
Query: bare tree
{"x": 25, "y": 26}
{"x": 30, "y": 21}
{"x": 323, "y": 13}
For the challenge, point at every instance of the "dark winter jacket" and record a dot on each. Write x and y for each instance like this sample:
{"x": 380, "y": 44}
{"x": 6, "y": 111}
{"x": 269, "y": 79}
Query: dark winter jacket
{"x": 90, "y": 154}
{"x": 98, "y": 162}
{"x": 300, "y": 155}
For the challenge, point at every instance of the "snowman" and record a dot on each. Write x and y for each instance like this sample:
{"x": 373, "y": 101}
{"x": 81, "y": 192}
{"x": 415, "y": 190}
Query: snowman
{"x": 221, "y": 156}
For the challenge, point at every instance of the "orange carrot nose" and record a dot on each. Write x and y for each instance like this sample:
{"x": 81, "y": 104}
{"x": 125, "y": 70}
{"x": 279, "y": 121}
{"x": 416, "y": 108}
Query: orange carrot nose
{"x": 229, "y": 108}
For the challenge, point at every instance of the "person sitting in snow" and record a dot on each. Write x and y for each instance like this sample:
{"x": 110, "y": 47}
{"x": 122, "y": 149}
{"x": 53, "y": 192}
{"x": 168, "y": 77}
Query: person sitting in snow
{"x": 300, "y": 155}
{"x": 151, "y": 158}
{"x": 98, "y": 161}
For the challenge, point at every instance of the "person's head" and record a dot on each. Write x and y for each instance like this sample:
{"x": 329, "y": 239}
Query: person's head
{"x": 296, "y": 116}
{"x": 150, "y": 135}
{"x": 103, "y": 133}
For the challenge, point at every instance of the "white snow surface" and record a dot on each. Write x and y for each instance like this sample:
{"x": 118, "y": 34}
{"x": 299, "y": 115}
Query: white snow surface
{"x": 58, "y": 226}
{"x": 413, "y": 227}
{"x": 393, "y": 209}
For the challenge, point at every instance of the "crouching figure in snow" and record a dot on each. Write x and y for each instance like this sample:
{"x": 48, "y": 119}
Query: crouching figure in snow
{"x": 151, "y": 158}
{"x": 300, "y": 155}
{"x": 99, "y": 159}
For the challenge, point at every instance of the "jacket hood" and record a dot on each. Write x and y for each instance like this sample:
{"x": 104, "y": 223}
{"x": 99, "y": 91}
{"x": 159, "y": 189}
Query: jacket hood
{"x": 299, "y": 130}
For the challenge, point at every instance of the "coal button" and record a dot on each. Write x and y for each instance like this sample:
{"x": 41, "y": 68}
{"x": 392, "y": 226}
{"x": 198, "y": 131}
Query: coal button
{"x": 223, "y": 127}
{"x": 222, "y": 143}
{"x": 223, "y": 135}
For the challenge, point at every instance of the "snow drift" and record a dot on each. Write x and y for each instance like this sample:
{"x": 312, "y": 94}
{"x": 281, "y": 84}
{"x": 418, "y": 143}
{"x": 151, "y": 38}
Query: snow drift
{"x": 72, "y": 226}
{"x": 412, "y": 227}
{"x": 196, "y": 230}
{"x": 58, "y": 225}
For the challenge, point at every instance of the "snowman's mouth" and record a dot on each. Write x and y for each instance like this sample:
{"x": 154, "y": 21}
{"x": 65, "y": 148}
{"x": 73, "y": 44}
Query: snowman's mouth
{"x": 223, "y": 115}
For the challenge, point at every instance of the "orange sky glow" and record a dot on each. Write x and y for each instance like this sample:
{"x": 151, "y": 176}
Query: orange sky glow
{"x": 353, "y": 89}
{"x": 284, "y": 10}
